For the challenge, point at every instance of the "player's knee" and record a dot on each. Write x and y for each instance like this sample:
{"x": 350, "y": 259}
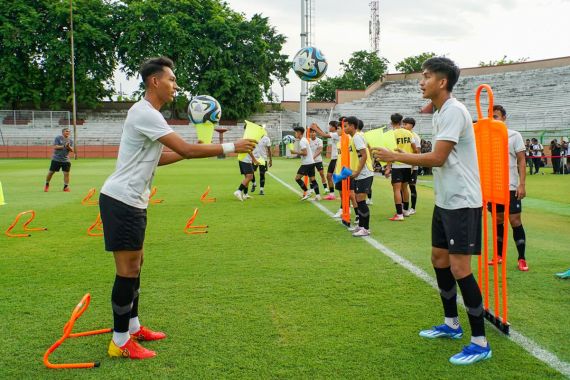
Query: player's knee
{"x": 515, "y": 220}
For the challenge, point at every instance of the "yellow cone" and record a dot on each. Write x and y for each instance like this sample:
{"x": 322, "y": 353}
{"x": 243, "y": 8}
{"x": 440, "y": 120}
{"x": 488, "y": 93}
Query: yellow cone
{"x": 205, "y": 132}
{"x": 1, "y": 195}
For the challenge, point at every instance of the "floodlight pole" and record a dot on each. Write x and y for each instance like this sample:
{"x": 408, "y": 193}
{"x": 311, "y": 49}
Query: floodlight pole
{"x": 73, "y": 105}
{"x": 304, "y": 87}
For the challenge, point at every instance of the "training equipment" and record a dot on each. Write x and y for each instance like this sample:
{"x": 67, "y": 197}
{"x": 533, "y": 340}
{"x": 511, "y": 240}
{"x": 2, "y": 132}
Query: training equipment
{"x": 493, "y": 157}
{"x": 471, "y": 354}
{"x": 97, "y": 225}
{"x": 1, "y": 195}
{"x": 203, "y": 108}
{"x": 252, "y": 132}
{"x": 152, "y": 194}
{"x": 77, "y": 312}
{"x": 344, "y": 174}
{"x": 310, "y": 64}
{"x": 26, "y": 228}
{"x": 87, "y": 200}
{"x": 442, "y": 331}
{"x": 189, "y": 225}
{"x": 288, "y": 139}
{"x": 204, "y": 197}
{"x": 345, "y": 162}
{"x": 205, "y": 132}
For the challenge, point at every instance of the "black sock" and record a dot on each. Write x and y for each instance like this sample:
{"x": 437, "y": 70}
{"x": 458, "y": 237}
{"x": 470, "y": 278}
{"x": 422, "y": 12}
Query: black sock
{"x": 363, "y": 215}
{"x": 331, "y": 189}
{"x": 447, "y": 291}
{"x": 413, "y": 195}
{"x": 135, "y": 309}
{"x": 262, "y": 179}
{"x": 520, "y": 240}
{"x": 301, "y": 184}
{"x": 47, "y": 183}
{"x": 315, "y": 186}
{"x": 500, "y": 231}
{"x": 406, "y": 205}
{"x": 241, "y": 187}
{"x": 356, "y": 211}
{"x": 65, "y": 185}
{"x": 245, "y": 190}
{"x": 122, "y": 302}
{"x": 369, "y": 194}
{"x": 399, "y": 209}
{"x": 474, "y": 304}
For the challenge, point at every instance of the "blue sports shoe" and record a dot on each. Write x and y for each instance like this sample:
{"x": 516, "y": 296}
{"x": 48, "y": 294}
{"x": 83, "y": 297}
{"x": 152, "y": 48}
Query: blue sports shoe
{"x": 442, "y": 331}
{"x": 564, "y": 275}
{"x": 472, "y": 354}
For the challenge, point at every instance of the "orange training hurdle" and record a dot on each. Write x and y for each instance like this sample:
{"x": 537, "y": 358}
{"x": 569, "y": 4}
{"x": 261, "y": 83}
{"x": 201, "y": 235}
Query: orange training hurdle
{"x": 67, "y": 328}
{"x": 97, "y": 225}
{"x": 26, "y": 228}
{"x": 87, "y": 200}
{"x": 204, "y": 197}
{"x": 152, "y": 194}
{"x": 493, "y": 158}
{"x": 190, "y": 226}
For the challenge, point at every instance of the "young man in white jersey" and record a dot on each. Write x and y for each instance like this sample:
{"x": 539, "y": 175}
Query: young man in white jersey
{"x": 517, "y": 179}
{"x": 409, "y": 123}
{"x": 456, "y": 222}
{"x": 307, "y": 167}
{"x": 317, "y": 149}
{"x": 246, "y": 165}
{"x": 262, "y": 151}
{"x": 124, "y": 198}
{"x": 333, "y": 140}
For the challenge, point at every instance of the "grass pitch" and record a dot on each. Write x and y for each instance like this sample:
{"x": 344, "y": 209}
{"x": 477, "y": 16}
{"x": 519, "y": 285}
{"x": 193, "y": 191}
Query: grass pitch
{"x": 276, "y": 289}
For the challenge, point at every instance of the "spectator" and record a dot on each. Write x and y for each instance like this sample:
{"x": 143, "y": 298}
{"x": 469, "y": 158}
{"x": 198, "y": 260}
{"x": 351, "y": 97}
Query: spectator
{"x": 537, "y": 153}
{"x": 555, "y": 150}
{"x": 528, "y": 155}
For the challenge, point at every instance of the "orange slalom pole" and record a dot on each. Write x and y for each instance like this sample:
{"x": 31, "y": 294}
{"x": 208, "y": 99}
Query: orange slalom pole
{"x": 204, "y": 197}
{"x": 345, "y": 161}
{"x": 152, "y": 194}
{"x": 87, "y": 200}
{"x": 97, "y": 225}
{"x": 306, "y": 178}
{"x": 67, "y": 328}
{"x": 495, "y": 261}
{"x": 26, "y": 228}
{"x": 484, "y": 285}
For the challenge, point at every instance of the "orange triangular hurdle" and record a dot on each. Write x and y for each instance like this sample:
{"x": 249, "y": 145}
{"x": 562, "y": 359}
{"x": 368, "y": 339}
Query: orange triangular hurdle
{"x": 493, "y": 158}
{"x": 97, "y": 225}
{"x": 26, "y": 228}
{"x": 152, "y": 194}
{"x": 77, "y": 312}
{"x": 189, "y": 225}
{"x": 205, "y": 199}
{"x": 87, "y": 200}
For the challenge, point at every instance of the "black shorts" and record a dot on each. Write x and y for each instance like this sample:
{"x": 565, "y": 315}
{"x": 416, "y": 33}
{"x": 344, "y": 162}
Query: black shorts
{"x": 319, "y": 166}
{"x": 56, "y": 165}
{"x": 338, "y": 185}
{"x": 515, "y": 205}
{"x": 308, "y": 170}
{"x": 124, "y": 226}
{"x": 245, "y": 167}
{"x": 458, "y": 231}
{"x": 401, "y": 175}
{"x": 262, "y": 168}
{"x": 332, "y": 166}
{"x": 414, "y": 177}
{"x": 363, "y": 186}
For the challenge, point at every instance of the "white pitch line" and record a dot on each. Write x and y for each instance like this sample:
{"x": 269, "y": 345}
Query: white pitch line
{"x": 527, "y": 344}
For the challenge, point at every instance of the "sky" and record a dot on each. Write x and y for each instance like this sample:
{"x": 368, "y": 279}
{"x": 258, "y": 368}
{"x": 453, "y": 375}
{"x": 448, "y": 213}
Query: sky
{"x": 467, "y": 31}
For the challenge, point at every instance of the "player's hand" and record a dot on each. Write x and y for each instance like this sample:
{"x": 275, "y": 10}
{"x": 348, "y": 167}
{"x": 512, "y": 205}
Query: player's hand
{"x": 383, "y": 154}
{"x": 244, "y": 145}
{"x": 355, "y": 174}
{"x": 521, "y": 192}
{"x": 255, "y": 162}
{"x": 314, "y": 126}
{"x": 387, "y": 171}
{"x": 199, "y": 142}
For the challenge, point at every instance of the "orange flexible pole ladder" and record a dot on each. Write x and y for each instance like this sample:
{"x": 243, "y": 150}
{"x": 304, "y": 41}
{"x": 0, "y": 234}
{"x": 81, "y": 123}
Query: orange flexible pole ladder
{"x": 188, "y": 229}
{"x": 493, "y": 158}
{"x": 67, "y": 328}
{"x": 32, "y": 214}
{"x": 345, "y": 162}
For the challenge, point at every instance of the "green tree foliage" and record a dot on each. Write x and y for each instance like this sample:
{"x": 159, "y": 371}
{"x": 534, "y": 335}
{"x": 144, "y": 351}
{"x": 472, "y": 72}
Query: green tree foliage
{"x": 35, "y": 51}
{"x": 362, "y": 69}
{"x": 216, "y": 50}
{"x": 414, "y": 63}
{"x": 502, "y": 61}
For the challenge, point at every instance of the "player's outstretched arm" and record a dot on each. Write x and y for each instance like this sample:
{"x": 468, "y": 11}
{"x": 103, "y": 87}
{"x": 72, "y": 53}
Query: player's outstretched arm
{"x": 435, "y": 158}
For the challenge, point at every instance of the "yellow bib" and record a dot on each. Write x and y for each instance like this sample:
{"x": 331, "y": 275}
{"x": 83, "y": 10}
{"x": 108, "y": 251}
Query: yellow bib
{"x": 355, "y": 156}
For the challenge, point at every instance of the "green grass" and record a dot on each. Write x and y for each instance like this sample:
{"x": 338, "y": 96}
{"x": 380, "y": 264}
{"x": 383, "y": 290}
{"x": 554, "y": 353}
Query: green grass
{"x": 276, "y": 289}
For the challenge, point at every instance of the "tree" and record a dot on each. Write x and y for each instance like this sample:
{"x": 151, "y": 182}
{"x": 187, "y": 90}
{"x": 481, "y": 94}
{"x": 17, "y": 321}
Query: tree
{"x": 363, "y": 69}
{"x": 216, "y": 50}
{"x": 502, "y": 61}
{"x": 414, "y": 63}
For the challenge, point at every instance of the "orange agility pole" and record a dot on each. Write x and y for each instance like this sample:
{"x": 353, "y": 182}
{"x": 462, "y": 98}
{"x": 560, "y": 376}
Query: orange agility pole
{"x": 306, "y": 177}
{"x": 493, "y": 158}
{"x": 77, "y": 312}
{"x": 26, "y": 228}
{"x": 87, "y": 200}
{"x": 189, "y": 225}
{"x": 205, "y": 199}
{"x": 152, "y": 194}
{"x": 345, "y": 162}
{"x": 97, "y": 225}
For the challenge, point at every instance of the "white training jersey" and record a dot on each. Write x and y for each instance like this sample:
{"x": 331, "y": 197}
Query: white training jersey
{"x": 261, "y": 148}
{"x": 307, "y": 159}
{"x": 360, "y": 143}
{"x": 418, "y": 141}
{"x": 332, "y": 142}
{"x": 456, "y": 183}
{"x": 316, "y": 144}
{"x": 516, "y": 145}
{"x": 139, "y": 153}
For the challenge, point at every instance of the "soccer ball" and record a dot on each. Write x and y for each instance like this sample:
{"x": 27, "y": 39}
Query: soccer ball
{"x": 203, "y": 108}
{"x": 310, "y": 64}
{"x": 288, "y": 139}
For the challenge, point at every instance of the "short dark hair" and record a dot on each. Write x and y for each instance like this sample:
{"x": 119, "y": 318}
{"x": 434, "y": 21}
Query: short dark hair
{"x": 445, "y": 67}
{"x": 154, "y": 65}
{"x": 360, "y": 125}
{"x": 352, "y": 120}
{"x": 299, "y": 129}
{"x": 501, "y": 109}
{"x": 341, "y": 118}
{"x": 333, "y": 123}
{"x": 409, "y": 120}
{"x": 396, "y": 118}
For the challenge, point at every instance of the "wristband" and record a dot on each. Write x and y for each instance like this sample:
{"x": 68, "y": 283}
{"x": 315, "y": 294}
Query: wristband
{"x": 228, "y": 148}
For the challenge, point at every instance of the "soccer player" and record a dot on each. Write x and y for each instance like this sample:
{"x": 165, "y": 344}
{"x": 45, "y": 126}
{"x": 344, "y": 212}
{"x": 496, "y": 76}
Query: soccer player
{"x": 124, "y": 198}
{"x": 333, "y": 140}
{"x": 263, "y": 151}
{"x": 409, "y": 123}
{"x": 62, "y": 145}
{"x": 362, "y": 175}
{"x": 246, "y": 165}
{"x": 317, "y": 149}
{"x": 456, "y": 223}
{"x": 359, "y": 129}
{"x": 517, "y": 179}
{"x": 307, "y": 167}
{"x": 401, "y": 172}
